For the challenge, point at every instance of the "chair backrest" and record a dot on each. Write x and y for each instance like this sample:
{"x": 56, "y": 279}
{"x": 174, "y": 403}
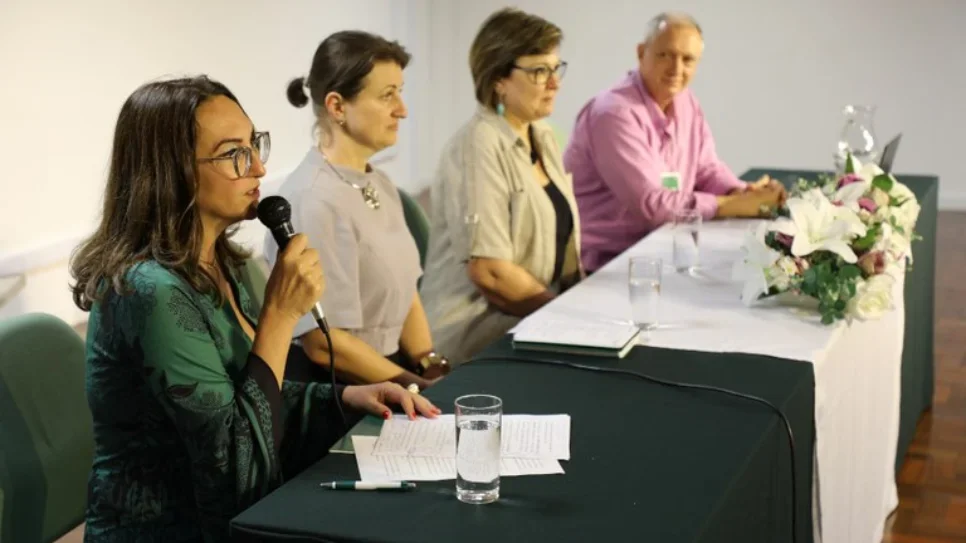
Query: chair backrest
{"x": 417, "y": 222}
{"x": 46, "y": 436}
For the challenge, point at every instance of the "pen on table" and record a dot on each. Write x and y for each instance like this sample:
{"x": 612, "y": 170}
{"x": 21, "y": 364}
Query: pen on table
{"x": 362, "y": 485}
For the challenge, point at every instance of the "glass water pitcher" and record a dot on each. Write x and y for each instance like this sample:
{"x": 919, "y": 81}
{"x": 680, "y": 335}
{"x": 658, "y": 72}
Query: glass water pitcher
{"x": 857, "y": 136}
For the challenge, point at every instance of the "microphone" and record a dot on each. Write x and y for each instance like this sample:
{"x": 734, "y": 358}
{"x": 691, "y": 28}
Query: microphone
{"x": 276, "y": 214}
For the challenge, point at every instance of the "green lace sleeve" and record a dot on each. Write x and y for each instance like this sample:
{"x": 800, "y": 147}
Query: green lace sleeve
{"x": 231, "y": 425}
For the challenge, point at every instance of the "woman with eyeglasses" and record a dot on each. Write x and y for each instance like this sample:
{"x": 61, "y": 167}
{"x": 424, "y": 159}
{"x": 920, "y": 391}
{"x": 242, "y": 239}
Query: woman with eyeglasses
{"x": 505, "y": 228}
{"x": 352, "y": 214}
{"x": 193, "y": 419}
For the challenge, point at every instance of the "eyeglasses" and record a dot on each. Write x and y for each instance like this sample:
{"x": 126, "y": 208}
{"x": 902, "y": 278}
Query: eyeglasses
{"x": 241, "y": 157}
{"x": 541, "y": 74}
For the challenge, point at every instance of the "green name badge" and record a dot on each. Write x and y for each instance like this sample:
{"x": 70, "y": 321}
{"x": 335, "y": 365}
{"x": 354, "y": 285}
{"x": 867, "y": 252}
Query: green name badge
{"x": 671, "y": 180}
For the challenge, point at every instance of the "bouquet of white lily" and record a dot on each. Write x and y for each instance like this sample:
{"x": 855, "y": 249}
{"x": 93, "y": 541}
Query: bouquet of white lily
{"x": 839, "y": 240}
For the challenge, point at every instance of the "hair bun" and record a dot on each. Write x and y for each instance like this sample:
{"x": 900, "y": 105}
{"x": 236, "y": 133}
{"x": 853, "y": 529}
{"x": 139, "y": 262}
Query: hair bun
{"x": 296, "y": 92}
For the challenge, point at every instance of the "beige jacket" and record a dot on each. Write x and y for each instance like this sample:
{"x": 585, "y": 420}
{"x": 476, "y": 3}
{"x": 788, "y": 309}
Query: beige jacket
{"x": 486, "y": 202}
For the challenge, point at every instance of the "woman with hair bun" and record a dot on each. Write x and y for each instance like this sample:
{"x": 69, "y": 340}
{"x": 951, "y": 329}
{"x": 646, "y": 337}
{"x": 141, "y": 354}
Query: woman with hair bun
{"x": 353, "y": 216}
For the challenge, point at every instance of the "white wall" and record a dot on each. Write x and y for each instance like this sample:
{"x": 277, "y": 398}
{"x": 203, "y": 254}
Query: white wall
{"x": 68, "y": 66}
{"x": 774, "y": 77}
{"x": 773, "y": 81}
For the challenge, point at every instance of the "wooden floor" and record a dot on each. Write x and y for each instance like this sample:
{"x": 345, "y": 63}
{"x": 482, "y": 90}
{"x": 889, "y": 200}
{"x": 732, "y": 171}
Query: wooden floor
{"x": 932, "y": 482}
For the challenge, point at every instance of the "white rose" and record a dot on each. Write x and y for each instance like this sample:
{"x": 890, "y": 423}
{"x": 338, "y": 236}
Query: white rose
{"x": 779, "y": 274}
{"x": 906, "y": 216}
{"x": 873, "y": 297}
{"x": 893, "y": 244}
{"x": 787, "y": 265}
{"x": 901, "y": 192}
{"x": 879, "y": 196}
{"x": 881, "y": 215}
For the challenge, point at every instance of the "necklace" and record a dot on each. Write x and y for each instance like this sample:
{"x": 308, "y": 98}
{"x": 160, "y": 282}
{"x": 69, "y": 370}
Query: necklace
{"x": 369, "y": 192}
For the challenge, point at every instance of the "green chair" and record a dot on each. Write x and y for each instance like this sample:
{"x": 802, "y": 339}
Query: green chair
{"x": 46, "y": 436}
{"x": 417, "y": 222}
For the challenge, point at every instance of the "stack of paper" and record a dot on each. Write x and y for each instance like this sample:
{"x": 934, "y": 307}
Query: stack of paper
{"x": 425, "y": 449}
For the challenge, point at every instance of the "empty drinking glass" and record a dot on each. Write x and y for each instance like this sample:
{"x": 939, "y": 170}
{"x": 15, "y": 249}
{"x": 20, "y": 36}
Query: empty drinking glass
{"x": 478, "y": 421}
{"x": 644, "y": 282}
{"x": 685, "y": 231}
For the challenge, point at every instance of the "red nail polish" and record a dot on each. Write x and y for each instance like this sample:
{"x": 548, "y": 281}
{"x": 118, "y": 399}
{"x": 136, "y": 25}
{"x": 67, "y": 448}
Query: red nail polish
{"x": 387, "y": 415}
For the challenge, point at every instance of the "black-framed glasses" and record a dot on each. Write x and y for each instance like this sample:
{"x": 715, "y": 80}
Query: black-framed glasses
{"x": 541, "y": 74}
{"x": 241, "y": 157}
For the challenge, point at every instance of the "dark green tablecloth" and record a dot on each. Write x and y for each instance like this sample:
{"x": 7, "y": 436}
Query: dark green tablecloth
{"x": 648, "y": 463}
{"x": 920, "y": 288}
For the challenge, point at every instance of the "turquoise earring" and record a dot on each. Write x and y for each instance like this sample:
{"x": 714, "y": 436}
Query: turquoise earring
{"x": 500, "y": 110}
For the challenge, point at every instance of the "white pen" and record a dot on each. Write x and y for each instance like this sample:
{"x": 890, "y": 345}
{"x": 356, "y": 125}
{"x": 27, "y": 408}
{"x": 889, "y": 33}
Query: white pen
{"x": 362, "y": 485}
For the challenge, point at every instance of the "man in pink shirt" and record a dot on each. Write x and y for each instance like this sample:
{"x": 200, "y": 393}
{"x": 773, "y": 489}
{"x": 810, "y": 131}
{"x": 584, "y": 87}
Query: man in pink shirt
{"x": 642, "y": 151}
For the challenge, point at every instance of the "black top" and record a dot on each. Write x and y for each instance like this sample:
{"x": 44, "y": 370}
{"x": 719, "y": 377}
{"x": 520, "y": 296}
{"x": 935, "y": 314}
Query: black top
{"x": 565, "y": 226}
{"x": 565, "y": 221}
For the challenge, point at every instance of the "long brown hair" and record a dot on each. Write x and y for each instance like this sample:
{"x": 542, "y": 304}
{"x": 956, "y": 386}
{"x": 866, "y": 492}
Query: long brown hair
{"x": 149, "y": 208}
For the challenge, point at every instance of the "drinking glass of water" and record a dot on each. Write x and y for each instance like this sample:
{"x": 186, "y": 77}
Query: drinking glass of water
{"x": 685, "y": 231}
{"x": 644, "y": 281}
{"x": 478, "y": 421}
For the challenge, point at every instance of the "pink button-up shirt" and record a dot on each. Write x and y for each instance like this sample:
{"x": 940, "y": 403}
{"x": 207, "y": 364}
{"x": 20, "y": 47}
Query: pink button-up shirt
{"x": 621, "y": 144}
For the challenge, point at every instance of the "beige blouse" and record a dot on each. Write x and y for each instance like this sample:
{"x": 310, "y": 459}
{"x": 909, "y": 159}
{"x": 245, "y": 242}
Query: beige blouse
{"x": 486, "y": 202}
{"x": 369, "y": 257}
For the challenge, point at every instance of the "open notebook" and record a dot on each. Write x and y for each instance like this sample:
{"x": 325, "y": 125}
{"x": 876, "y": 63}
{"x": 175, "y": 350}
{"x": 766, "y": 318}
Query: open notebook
{"x": 593, "y": 338}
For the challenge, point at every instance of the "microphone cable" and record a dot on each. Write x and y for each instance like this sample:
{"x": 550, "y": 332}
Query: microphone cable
{"x": 324, "y": 326}
{"x": 674, "y": 384}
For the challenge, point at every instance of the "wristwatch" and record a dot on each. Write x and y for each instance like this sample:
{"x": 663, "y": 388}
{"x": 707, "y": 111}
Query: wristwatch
{"x": 433, "y": 365}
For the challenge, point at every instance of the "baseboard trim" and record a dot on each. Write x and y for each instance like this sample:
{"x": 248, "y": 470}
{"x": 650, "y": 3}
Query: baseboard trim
{"x": 952, "y": 202}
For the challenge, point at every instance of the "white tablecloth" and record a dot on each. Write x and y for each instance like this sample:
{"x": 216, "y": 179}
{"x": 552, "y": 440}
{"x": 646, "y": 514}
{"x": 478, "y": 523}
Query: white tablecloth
{"x": 857, "y": 367}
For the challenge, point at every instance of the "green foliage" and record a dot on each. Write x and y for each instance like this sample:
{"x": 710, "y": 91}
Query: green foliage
{"x": 832, "y": 282}
{"x": 868, "y": 240}
{"x": 849, "y": 164}
{"x": 883, "y": 182}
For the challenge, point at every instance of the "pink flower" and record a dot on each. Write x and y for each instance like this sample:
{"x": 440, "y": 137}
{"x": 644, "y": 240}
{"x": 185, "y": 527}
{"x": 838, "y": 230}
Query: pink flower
{"x": 784, "y": 239}
{"x": 872, "y": 263}
{"x": 868, "y": 204}
{"x": 848, "y": 179}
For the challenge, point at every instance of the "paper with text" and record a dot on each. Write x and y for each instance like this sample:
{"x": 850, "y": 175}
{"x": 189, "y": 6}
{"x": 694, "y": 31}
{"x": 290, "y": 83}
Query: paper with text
{"x": 522, "y": 436}
{"x": 423, "y": 468}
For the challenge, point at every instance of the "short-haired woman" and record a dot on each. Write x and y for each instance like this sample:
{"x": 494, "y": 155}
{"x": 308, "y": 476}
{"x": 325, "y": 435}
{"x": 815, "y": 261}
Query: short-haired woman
{"x": 505, "y": 231}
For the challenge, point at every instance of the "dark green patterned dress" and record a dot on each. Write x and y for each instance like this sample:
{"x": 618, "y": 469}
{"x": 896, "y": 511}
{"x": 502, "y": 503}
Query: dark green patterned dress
{"x": 190, "y": 427}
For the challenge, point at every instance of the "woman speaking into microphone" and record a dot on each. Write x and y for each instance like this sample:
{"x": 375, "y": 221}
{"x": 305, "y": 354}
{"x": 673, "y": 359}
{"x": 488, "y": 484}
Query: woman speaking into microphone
{"x": 193, "y": 420}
